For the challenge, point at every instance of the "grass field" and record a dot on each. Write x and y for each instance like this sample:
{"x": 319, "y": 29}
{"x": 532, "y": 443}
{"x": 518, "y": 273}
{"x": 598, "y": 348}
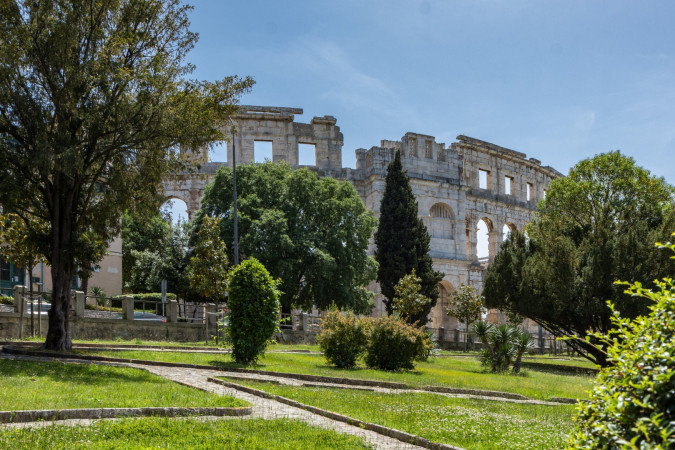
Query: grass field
{"x": 55, "y": 385}
{"x": 149, "y": 433}
{"x": 469, "y": 423}
{"x": 460, "y": 372}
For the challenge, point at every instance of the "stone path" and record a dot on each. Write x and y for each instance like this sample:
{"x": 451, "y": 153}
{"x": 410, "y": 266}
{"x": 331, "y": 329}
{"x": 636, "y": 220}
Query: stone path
{"x": 262, "y": 408}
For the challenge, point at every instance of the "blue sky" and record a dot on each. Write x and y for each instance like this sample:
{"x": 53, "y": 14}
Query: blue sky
{"x": 558, "y": 80}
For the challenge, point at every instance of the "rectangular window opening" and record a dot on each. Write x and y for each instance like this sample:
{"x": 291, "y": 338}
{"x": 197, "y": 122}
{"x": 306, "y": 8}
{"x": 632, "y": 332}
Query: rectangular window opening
{"x": 218, "y": 152}
{"x": 262, "y": 151}
{"x": 530, "y": 192}
{"x": 483, "y": 178}
{"x": 307, "y": 154}
{"x": 508, "y": 185}
{"x": 428, "y": 149}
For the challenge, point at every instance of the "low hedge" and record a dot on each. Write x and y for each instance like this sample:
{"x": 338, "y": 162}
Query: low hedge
{"x": 4, "y": 300}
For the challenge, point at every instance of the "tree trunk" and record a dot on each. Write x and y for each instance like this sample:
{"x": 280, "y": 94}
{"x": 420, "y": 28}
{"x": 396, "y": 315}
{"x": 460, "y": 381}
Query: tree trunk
{"x": 58, "y": 336}
{"x": 62, "y": 267}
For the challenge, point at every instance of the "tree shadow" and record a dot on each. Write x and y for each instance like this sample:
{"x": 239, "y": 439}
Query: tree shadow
{"x": 73, "y": 373}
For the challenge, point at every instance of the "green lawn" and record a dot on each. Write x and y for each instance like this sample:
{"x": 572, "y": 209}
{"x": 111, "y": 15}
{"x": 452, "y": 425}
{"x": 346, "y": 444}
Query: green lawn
{"x": 55, "y": 385}
{"x": 149, "y": 433}
{"x": 469, "y": 423}
{"x": 460, "y": 372}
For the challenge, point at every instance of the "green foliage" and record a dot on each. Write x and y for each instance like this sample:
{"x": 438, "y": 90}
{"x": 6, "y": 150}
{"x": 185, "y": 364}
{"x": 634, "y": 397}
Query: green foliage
{"x": 591, "y": 229}
{"x": 395, "y": 345}
{"x": 254, "y": 310}
{"x": 408, "y": 302}
{"x": 466, "y": 304}
{"x": 311, "y": 233}
{"x": 402, "y": 242}
{"x": 97, "y": 105}
{"x": 19, "y": 240}
{"x": 153, "y": 250}
{"x": 208, "y": 267}
{"x": 99, "y": 295}
{"x": 503, "y": 346}
{"x": 633, "y": 402}
{"x": 342, "y": 339}
{"x": 5, "y": 300}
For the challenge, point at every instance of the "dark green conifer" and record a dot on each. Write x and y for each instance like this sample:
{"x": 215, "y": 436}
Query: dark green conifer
{"x": 402, "y": 240}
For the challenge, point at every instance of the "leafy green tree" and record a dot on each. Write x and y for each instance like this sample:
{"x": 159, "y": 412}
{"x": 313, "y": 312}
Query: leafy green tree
{"x": 311, "y": 233}
{"x": 408, "y": 301}
{"x": 18, "y": 242}
{"x": 208, "y": 268}
{"x": 588, "y": 232}
{"x": 95, "y": 103}
{"x": 154, "y": 250}
{"x": 632, "y": 403}
{"x": 253, "y": 310}
{"x": 402, "y": 241}
{"x": 466, "y": 305}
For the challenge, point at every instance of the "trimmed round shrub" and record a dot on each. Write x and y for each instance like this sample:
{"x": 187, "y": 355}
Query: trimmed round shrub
{"x": 343, "y": 338}
{"x": 253, "y": 310}
{"x": 633, "y": 402}
{"x": 395, "y": 345}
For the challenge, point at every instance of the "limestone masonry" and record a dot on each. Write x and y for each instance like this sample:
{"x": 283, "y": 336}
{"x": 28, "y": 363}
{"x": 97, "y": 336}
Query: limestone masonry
{"x": 456, "y": 186}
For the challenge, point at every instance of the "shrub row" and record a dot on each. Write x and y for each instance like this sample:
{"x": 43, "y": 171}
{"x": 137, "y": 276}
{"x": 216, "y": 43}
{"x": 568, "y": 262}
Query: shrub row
{"x": 388, "y": 343}
{"x": 4, "y": 300}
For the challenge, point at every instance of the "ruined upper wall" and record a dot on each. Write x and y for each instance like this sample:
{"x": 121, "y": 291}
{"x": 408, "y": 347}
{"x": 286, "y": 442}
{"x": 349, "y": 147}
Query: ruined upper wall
{"x": 277, "y": 125}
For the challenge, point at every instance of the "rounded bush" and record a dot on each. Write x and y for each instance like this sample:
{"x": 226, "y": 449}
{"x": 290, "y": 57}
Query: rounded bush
{"x": 343, "y": 338}
{"x": 253, "y": 310}
{"x": 395, "y": 345}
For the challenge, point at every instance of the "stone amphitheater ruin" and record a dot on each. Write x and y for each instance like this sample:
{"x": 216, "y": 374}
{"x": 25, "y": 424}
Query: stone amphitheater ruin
{"x": 456, "y": 186}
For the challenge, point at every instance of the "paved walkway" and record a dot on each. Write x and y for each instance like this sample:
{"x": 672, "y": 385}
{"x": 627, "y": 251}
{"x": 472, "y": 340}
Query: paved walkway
{"x": 262, "y": 408}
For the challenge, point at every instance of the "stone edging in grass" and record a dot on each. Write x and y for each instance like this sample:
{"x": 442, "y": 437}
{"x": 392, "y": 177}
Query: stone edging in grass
{"x": 498, "y": 394}
{"x": 110, "y": 413}
{"x": 389, "y": 432}
{"x": 560, "y": 368}
{"x": 298, "y": 376}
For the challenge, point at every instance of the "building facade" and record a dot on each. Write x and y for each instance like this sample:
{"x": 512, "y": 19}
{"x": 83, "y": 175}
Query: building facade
{"x": 456, "y": 186}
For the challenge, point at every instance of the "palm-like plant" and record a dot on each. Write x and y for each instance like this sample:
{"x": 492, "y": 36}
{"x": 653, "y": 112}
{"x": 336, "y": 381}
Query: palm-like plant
{"x": 503, "y": 345}
{"x": 522, "y": 342}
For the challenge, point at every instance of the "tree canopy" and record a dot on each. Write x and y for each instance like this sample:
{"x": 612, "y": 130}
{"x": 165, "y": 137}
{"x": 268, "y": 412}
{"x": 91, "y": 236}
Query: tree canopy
{"x": 207, "y": 271}
{"x": 402, "y": 241}
{"x": 591, "y": 230}
{"x": 95, "y": 103}
{"x": 311, "y": 233}
{"x": 154, "y": 250}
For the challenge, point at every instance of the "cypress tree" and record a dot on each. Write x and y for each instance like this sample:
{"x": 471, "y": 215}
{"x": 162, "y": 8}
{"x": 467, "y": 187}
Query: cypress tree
{"x": 402, "y": 240}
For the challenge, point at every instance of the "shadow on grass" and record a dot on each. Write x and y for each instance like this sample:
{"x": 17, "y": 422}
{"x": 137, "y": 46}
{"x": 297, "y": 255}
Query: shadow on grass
{"x": 88, "y": 374}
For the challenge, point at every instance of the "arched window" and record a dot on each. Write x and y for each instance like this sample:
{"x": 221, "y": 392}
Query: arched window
{"x": 442, "y": 221}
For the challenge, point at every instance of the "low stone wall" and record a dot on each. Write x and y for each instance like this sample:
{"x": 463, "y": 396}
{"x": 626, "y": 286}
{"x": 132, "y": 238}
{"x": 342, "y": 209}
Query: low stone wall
{"x": 95, "y": 328}
{"x": 91, "y": 328}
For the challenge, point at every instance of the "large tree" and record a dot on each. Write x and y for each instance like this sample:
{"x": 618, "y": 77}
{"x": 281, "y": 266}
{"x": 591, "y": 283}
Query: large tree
{"x": 402, "y": 241}
{"x": 153, "y": 250}
{"x": 95, "y": 103}
{"x": 310, "y": 232}
{"x": 593, "y": 228}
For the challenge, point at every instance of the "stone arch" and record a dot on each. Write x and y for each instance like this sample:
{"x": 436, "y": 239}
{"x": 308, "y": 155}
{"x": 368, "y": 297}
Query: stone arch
{"x": 439, "y": 313}
{"x": 186, "y": 200}
{"x": 442, "y": 221}
{"x": 485, "y": 240}
{"x": 509, "y": 227}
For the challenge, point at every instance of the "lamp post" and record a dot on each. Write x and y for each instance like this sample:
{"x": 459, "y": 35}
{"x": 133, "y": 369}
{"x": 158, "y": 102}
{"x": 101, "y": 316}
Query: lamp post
{"x": 234, "y": 198}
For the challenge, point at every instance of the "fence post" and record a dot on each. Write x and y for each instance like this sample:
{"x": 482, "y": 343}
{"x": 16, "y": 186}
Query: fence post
{"x": 20, "y": 305}
{"x": 172, "y": 311}
{"x": 303, "y": 322}
{"x": 79, "y": 303}
{"x": 441, "y": 334}
{"x": 128, "y": 307}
